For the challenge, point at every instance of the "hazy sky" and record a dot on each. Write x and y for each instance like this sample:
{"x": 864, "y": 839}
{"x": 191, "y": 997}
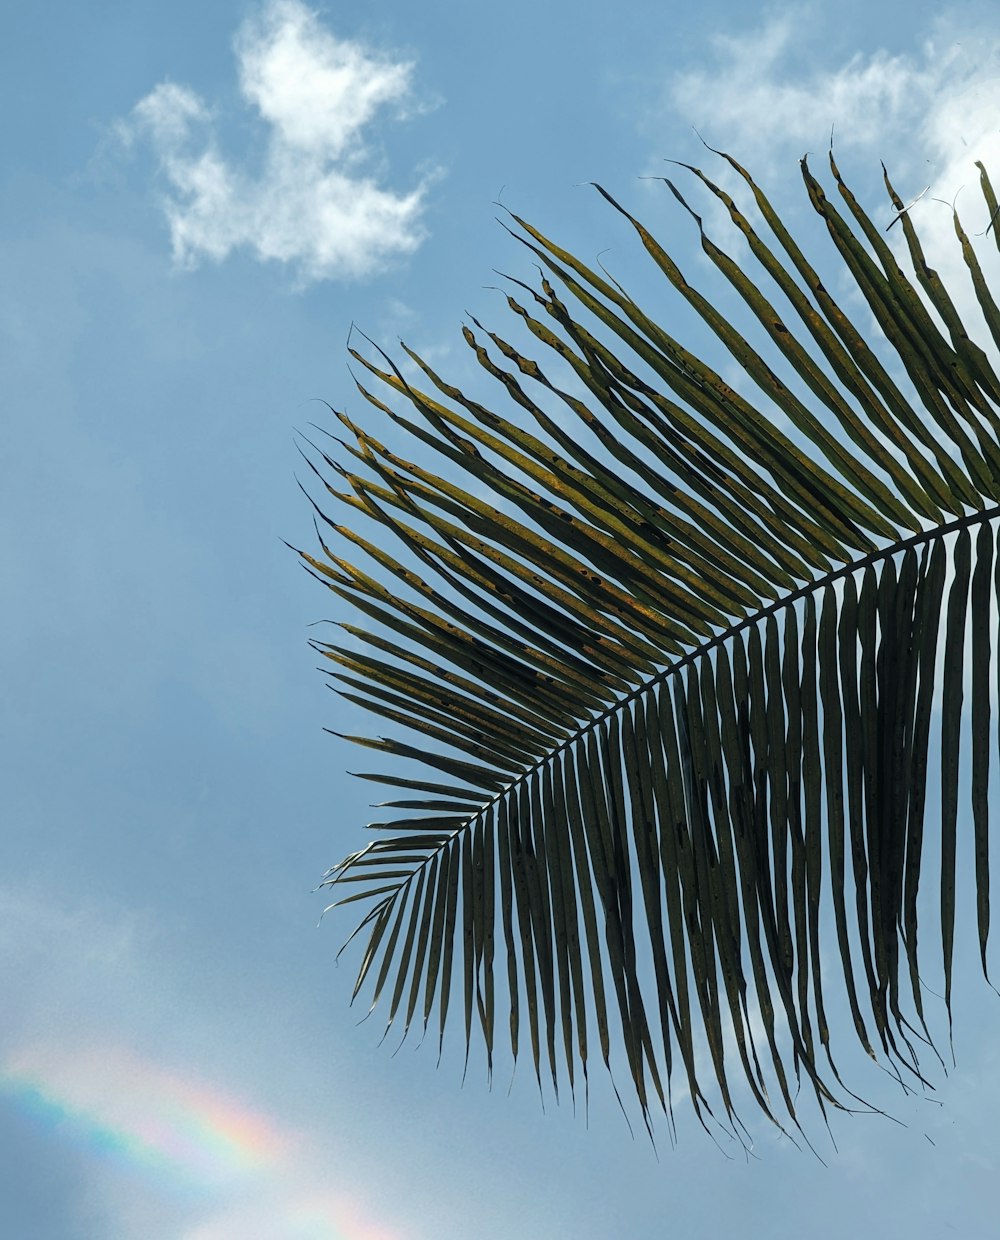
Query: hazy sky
{"x": 196, "y": 202}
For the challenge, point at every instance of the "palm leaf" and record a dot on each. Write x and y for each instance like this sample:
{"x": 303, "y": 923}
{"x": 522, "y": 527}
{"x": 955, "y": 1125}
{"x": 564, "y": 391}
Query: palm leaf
{"x": 671, "y": 673}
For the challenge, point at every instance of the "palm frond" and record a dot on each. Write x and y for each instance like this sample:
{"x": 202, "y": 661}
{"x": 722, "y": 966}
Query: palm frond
{"x": 679, "y": 682}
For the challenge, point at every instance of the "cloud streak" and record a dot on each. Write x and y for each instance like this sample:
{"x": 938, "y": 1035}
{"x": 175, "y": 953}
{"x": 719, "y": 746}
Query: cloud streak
{"x": 754, "y": 94}
{"x": 314, "y": 202}
{"x": 769, "y": 98}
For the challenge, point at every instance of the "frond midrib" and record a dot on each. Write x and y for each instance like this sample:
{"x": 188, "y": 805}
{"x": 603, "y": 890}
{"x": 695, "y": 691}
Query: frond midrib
{"x": 702, "y": 650}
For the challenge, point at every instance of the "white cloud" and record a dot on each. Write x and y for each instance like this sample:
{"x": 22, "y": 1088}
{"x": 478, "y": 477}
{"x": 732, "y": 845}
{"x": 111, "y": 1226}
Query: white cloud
{"x": 772, "y": 94}
{"x": 315, "y": 201}
{"x": 755, "y": 97}
{"x": 765, "y": 92}
{"x": 318, "y": 91}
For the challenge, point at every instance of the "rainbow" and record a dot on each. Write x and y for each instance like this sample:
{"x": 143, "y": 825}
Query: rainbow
{"x": 152, "y": 1119}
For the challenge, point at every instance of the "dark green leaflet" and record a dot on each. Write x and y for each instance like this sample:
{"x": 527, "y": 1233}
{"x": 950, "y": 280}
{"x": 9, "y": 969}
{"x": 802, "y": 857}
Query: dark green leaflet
{"x": 674, "y": 668}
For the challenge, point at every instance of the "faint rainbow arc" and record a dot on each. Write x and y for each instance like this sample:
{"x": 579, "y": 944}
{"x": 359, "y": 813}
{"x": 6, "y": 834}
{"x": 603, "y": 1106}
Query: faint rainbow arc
{"x": 169, "y": 1122}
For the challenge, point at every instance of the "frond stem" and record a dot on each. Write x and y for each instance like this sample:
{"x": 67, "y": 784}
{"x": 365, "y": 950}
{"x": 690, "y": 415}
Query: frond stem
{"x": 720, "y": 639}
{"x": 705, "y": 648}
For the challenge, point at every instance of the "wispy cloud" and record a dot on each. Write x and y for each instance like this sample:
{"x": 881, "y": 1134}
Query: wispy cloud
{"x": 767, "y": 91}
{"x": 315, "y": 201}
{"x": 755, "y": 95}
{"x": 772, "y": 94}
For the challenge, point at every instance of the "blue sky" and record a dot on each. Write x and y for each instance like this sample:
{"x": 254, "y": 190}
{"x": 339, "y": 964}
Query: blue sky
{"x": 196, "y": 202}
